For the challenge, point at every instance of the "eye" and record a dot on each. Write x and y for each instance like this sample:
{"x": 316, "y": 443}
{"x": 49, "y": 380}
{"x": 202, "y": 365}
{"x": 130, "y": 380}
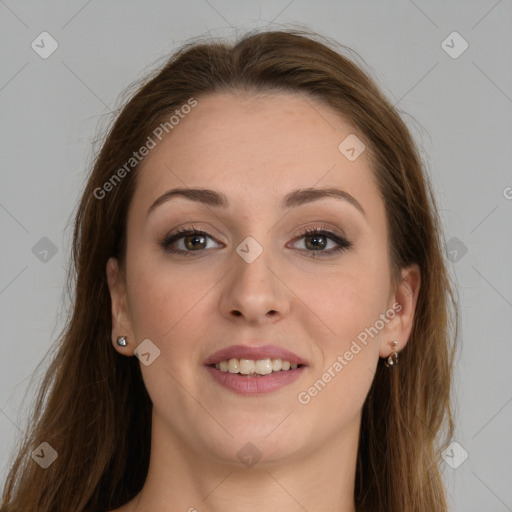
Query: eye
{"x": 318, "y": 239}
{"x": 187, "y": 240}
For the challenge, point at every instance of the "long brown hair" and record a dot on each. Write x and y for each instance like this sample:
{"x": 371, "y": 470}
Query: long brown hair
{"x": 93, "y": 408}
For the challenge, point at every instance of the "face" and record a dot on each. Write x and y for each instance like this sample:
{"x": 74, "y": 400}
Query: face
{"x": 269, "y": 274}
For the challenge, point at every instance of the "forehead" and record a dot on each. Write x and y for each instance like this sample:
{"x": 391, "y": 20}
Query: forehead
{"x": 255, "y": 148}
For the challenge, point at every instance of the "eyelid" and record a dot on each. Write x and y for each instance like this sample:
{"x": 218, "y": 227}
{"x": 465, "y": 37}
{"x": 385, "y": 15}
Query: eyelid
{"x": 333, "y": 234}
{"x": 180, "y": 233}
{"x": 322, "y": 230}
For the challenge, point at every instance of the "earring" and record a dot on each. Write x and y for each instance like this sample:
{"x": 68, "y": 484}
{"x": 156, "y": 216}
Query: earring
{"x": 121, "y": 341}
{"x": 392, "y": 360}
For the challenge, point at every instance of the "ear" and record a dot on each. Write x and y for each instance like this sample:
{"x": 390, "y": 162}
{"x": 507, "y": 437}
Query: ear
{"x": 403, "y": 303}
{"x": 121, "y": 325}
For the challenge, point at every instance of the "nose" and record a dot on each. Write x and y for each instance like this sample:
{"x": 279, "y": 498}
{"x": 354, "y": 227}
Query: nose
{"x": 254, "y": 292}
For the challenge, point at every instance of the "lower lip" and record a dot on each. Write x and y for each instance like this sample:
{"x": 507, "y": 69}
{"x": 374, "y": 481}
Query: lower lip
{"x": 250, "y": 385}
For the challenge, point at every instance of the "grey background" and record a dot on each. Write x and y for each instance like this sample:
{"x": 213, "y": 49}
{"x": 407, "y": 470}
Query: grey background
{"x": 459, "y": 111}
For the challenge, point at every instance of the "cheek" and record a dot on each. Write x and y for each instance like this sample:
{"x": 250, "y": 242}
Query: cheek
{"x": 165, "y": 307}
{"x": 154, "y": 305}
{"x": 166, "y": 303}
{"x": 357, "y": 298}
{"x": 352, "y": 301}
{"x": 339, "y": 384}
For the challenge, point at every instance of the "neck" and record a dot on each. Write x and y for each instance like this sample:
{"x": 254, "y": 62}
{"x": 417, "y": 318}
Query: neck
{"x": 180, "y": 478}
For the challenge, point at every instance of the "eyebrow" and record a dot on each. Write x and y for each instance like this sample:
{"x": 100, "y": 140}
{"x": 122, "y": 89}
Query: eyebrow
{"x": 293, "y": 199}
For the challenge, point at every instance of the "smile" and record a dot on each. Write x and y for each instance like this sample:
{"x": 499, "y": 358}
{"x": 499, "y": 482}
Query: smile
{"x": 251, "y": 367}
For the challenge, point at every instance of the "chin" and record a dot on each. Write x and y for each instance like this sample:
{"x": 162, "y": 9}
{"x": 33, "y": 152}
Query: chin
{"x": 264, "y": 439}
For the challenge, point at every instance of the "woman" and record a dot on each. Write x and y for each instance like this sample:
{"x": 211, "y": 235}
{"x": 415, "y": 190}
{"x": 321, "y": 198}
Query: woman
{"x": 259, "y": 233}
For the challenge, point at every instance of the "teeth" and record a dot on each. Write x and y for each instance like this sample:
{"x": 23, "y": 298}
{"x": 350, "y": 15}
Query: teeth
{"x": 264, "y": 366}
{"x": 259, "y": 367}
{"x": 233, "y": 366}
{"x": 247, "y": 366}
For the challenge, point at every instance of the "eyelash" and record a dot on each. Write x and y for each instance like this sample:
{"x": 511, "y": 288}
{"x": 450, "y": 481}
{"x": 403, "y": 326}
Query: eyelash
{"x": 342, "y": 242}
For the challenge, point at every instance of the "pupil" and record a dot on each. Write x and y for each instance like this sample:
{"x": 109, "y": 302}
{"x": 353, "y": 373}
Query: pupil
{"x": 315, "y": 243}
{"x": 194, "y": 238}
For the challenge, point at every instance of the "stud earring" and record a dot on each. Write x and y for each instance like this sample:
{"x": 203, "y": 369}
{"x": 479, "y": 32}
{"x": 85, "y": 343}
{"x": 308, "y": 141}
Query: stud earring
{"x": 121, "y": 341}
{"x": 392, "y": 360}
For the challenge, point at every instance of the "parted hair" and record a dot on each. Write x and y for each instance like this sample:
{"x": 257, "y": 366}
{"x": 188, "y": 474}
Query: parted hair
{"x": 92, "y": 406}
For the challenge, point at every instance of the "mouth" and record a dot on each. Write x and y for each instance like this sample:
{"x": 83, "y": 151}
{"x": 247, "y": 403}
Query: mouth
{"x": 254, "y": 370}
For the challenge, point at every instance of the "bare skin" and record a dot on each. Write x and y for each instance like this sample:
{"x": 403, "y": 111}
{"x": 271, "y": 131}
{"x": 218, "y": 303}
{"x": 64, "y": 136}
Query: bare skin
{"x": 256, "y": 150}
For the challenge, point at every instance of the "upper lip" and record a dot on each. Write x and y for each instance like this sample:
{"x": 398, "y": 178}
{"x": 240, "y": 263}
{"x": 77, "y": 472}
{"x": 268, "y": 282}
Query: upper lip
{"x": 255, "y": 353}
